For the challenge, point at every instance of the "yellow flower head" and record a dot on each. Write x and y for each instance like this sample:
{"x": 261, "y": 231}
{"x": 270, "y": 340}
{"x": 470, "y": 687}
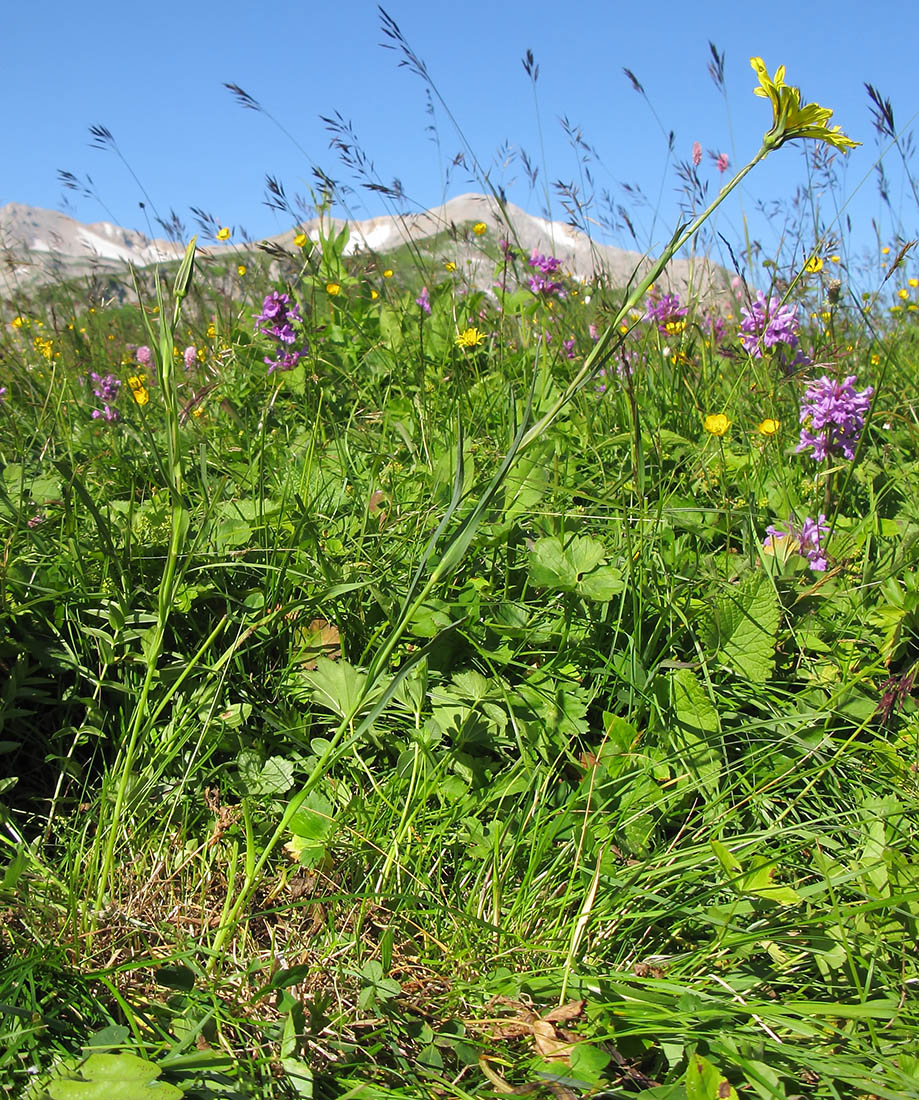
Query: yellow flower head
{"x": 903, "y": 293}
{"x": 479, "y": 228}
{"x": 716, "y": 424}
{"x": 885, "y": 251}
{"x": 387, "y": 274}
{"x": 834, "y": 259}
{"x": 789, "y": 119}
{"x": 300, "y": 240}
{"x": 374, "y": 294}
{"x": 768, "y": 426}
{"x": 140, "y": 395}
{"x": 813, "y": 265}
{"x": 223, "y": 234}
{"x": 450, "y": 266}
{"x": 332, "y": 288}
{"x": 240, "y": 269}
{"x": 469, "y": 338}
{"x": 913, "y": 282}
{"x": 875, "y": 360}
{"x": 211, "y": 331}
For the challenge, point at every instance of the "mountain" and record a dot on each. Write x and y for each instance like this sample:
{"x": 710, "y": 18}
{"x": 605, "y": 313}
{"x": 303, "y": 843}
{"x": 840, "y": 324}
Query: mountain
{"x": 39, "y": 246}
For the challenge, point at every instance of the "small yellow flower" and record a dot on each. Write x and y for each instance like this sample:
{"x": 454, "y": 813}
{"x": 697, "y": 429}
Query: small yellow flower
{"x": 20, "y": 322}
{"x": 136, "y": 381}
{"x": 789, "y": 119}
{"x": 716, "y": 424}
{"x": 769, "y": 426}
{"x": 241, "y": 269}
{"x": 834, "y": 259}
{"x": 332, "y": 288}
{"x": 387, "y": 274}
{"x": 223, "y": 234}
{"x": 211, "y": 331}
{"x": 197, "y": 411}
{"x": 813, "y": 265}
{"x": 903, "y": 293}
{"x": 141, "y": 396}
{"x": 896, "y": 309}
{"x": 875, "y": 360}
{"x": 300, "y": 240}
{"x": 913, "y": 282}
{"x": 479, "y": 228}
{"x": 469, "y": 338}
{"x": 450, "y": 266}
{"x": 885, "y": 251}
{"x": 374, "y": 294}
{"x": 674, "y": 328}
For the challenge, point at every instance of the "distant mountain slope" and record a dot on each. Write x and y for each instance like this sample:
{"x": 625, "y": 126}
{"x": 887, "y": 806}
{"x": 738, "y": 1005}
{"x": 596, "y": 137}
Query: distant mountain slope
{"x": 38, "y": 246}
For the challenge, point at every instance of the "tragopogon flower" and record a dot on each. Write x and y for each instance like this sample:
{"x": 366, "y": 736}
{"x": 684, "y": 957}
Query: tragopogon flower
{"x": 789, "y": 119}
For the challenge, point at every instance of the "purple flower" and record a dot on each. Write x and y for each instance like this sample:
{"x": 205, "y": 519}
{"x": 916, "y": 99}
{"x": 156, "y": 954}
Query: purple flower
{"x": 832, "y": 417}
{"x": 424, "y": 300}
{"x": 696, "y": 154}
{"x": 715, "y": 326}
{"x": 766, "y": 324}
{"x": 666, "y": 311}
{"x": 807, "y": 539}
{"x": 105, "y": 387}
{"x": 568, "y": 345}
{"x": 144, "y": 356}
{"x": 278, "y": 311}
{"x": 540, "y": 283}
{"x": 722, "y": 162}
{"x": 189, "y": 357}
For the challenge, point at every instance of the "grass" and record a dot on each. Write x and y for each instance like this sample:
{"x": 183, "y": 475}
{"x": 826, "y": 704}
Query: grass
{"x": 440, "y": 720}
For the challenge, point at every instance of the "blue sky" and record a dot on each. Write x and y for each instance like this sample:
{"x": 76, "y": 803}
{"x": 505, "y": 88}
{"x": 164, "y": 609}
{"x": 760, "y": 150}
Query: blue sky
{"x": 153, "y": 75}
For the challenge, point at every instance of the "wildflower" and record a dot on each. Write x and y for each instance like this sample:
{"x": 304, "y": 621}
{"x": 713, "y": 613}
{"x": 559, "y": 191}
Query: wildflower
{"x": 211, "y": 331}
{"x": 805, "y": 540}
{"x": 144, "y": 356}
{"x": 190, "y": 357}
{"x": 766, "y": 324}
{"x": 832, "y": 417}
{"x": 885, "y": 251}
{"x": 545, "y": 266}
{"x": 479, "y": 228}
{"x": 716, "y": 424}
{"x": 387, "y": 274}
{"x": 240, "y": 269}
{"x": 469, "y": 338}
{"x": 814, "y": 265}
{"x": 279, "y": 312}
{"x": 903, "y": 293}
{"x": 300, "y": 240}
{"x": 716, "y": 326}
{"x": 769, "y": 426}
{"x": 721, "y": 162}
{"x": 665, "y": 311}
{"x": 450, "y": 266}
{"x": 20, "y": 322}
{"x": 896, "y": 691}
{"x": 223, "y": 234}
{"x": 332, "y": 289}
{"x": 875, "y": 359}
{"x": 138, "y": 389}
{"x": 36, "y": 521}
{"x": 789, "y": 119}
{"x": 424, "y": 300}
{"x": 834, "y": 259}
{"x": 46, "y": 347}
{"x": 568, "y": 346}
{"x": 696, "y": 154}
{"x": 374, "y": 294}
{"x": 105, "y": 387}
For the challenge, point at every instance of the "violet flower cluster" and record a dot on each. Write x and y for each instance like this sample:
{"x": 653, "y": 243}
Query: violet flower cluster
{"x": 832, "y": 417}
{"x": 541, "y": 282}
{"x": 665, "y": 311}
{"x": 276, "y": 320}
{"x": 768, "y": 324}
{"x": 424, "y": 300}
{"x": 808, "y": 538}
{"x": 105, "y": 387}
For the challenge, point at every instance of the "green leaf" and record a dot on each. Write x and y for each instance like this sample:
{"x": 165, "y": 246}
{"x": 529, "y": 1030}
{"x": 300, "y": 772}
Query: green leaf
{"x": 575, "y": 566}
{"x": 311, "y": 828}
{"x": 695, "y": 734}
{"x": 336, "y": 685}
{"x": 115, "y": 1077}
{"x": 743, "y": 629}
{"x": 704, "y": 1081}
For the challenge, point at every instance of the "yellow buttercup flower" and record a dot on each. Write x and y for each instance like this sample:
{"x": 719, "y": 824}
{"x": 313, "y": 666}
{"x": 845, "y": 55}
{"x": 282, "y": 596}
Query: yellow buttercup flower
{"x": 813, "y": 265}
{"x": 223, "y": 234}
{"x": 768, "y": 426}
{"x": 240, "y": 269}
{"x": 885, "y": 251}
{"x": 875, "y": 360}
{"x": 716, "y": 424}
{"x": 332, "y": 288}
{"x": 903, "y": 293}
{"x": 211, "y": 331}
{"x": 374, "y": 294}
{"x": 913, "y": 282}
{"x": 834, "y": 259}
{"x": 387, "y": 274}
{"x": 469, "y": 338}
{"x": 479, "y": 228}
{"x": 789, "y": 119}
{"x": 450, "y": 266}
{"x": 300, "y": 240}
